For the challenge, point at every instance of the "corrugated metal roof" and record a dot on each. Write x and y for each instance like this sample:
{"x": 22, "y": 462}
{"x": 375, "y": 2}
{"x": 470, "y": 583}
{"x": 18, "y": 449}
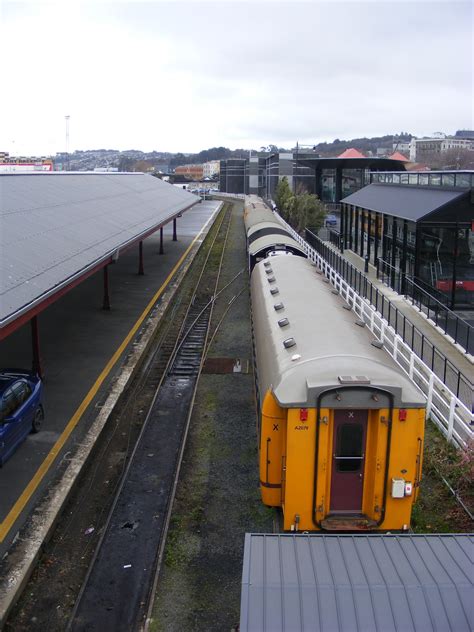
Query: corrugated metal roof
{"x": 55, "y": 226}
{"x": 357, "y": 583}
{"x": 409, "y": 202}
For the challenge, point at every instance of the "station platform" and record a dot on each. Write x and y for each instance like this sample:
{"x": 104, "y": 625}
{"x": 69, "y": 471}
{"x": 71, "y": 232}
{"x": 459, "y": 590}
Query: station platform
{"x": 463, "y": 361}
{"x": 83, "y": 349}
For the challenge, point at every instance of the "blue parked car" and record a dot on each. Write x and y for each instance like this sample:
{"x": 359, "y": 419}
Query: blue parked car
{"x": 21, "y": 408}
{"x": 331, "y": 220}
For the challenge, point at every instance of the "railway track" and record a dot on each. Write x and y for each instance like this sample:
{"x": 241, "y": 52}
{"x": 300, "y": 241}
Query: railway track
{"x": 124, "y": 570}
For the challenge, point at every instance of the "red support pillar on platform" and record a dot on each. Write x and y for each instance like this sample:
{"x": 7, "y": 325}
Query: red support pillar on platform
{"x": 175, "y": 238}
{"x": 140, "y": 259}
{"x": 36, "y": 363}
{"x": 106, "y": 301}
{"x": 161, "y": 241}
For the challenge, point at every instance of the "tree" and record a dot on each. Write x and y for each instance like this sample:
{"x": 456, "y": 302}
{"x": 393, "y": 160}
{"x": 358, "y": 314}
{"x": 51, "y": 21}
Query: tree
{"x": 142, "y": 165}
{"x": 283, "y": 196}
{"x": 456, "y": 158}
{"x": 306, "y": 211}
{"x": 125, "y": 163}
{"x": 301, "y": 210}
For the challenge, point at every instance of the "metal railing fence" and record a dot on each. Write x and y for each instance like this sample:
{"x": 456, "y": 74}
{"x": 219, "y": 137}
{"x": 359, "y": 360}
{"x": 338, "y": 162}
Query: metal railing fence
{"x": 456, "y": 381}
{"x": 429, "y": 301}
{"x": 448, "y": 391}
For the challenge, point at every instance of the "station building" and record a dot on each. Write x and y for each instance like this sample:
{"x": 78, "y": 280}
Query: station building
{"x": 416, "y": 228}
{"x": 329, "y": 178}
{"x": 195, "y": 172}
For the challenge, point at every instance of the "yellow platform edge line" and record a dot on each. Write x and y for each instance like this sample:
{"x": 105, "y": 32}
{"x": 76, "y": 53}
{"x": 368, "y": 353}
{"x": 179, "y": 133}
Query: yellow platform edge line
{"x": 41, "y": 472}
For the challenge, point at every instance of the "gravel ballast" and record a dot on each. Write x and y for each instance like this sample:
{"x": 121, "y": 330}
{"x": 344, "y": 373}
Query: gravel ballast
{"x": 218, "y": 498}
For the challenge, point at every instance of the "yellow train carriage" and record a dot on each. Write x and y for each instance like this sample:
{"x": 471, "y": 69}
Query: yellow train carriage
{"x": 341, "y": 426}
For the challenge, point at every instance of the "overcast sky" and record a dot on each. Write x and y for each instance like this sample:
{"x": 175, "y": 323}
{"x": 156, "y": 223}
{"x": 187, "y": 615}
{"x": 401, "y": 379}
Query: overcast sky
{"x": 188, "y": 75}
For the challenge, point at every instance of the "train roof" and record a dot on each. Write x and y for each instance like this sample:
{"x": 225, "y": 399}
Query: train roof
{"x": 274, "y": 240}
{"x": 255, "y": 216}
{"x": 266, "y": 225}
{"x": 356, "y": 582}
{"x": 256, "y": 211}
{"x": 325, "y": 348}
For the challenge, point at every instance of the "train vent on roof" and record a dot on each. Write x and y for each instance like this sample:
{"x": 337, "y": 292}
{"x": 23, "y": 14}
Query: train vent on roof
{"x": 289, "y": 342}
{"x": 278, "y": 306}
{"x": 267, "y": 264}
{"x": 269, "y": 271}
{"x": 274, "y": 291}
{"x": 283, "y": 322}
{"x": 353, "y": 379}
{"x": 271, "y": 279}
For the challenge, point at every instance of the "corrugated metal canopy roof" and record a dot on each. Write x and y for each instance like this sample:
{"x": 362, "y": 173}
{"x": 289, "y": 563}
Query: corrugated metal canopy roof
{"x": 56, "y": 226}
{"x": 359, "y": 583}
{"x": 408, "y": 202}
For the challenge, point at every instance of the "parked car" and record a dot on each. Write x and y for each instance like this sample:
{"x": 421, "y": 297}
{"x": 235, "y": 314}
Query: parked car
{"x": 21, "y": 408}
{"x": 331, "y": 220}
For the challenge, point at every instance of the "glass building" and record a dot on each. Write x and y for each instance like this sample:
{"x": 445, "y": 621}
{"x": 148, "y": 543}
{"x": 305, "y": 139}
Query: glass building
{"x": 416, "y": 228}
{"x": 329, "y": 178}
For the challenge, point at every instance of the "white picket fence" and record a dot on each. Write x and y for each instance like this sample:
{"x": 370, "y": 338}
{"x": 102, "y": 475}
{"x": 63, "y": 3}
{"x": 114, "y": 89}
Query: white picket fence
{"x": 446, "y": 410}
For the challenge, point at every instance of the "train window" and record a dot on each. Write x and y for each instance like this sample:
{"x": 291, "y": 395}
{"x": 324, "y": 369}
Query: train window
{"x": 349, "y": 449}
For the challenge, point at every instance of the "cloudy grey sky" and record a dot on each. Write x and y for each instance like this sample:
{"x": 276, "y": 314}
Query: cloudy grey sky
{"x": 188, "y": 75}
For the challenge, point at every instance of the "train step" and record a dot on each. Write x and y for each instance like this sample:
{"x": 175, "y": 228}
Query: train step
{"x": 348, "y": 523}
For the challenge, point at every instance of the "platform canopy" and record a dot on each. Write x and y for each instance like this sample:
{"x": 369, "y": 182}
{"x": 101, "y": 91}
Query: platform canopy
{"x": 413, "y": 203}
{"x": 365, "y": 583}
{"x": 57, "y": 229}
{"x": 351, "y": 162}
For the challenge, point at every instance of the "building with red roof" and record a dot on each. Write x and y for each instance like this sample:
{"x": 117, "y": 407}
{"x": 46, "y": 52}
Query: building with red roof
{"x": 351, "y": 153}
{"x": 398, "y": 156}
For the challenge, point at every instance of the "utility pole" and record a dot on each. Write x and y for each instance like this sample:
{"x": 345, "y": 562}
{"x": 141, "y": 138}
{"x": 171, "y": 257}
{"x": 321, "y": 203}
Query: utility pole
{"x": 67, "y": 117}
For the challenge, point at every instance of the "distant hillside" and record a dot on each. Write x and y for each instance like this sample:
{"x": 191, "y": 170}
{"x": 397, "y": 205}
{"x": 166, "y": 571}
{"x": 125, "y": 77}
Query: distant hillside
{"x": 364, "y": 145}
{"x": 136, "y": 160}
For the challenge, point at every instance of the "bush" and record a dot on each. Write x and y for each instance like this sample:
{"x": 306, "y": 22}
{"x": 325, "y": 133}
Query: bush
{"x": 301, "y": 209}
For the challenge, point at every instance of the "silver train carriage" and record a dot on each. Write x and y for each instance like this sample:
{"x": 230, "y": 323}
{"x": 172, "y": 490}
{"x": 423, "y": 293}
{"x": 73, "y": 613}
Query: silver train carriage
{"x": 266, "y": 236}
